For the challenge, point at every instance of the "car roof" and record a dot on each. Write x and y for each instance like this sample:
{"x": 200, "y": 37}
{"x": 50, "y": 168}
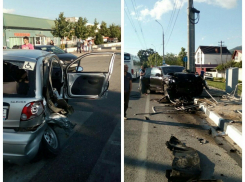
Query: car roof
{"x": 30, "y": 55}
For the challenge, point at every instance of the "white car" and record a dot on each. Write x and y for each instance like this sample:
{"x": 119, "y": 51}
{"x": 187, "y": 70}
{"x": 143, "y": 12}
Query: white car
{"x": 208, "y": 76}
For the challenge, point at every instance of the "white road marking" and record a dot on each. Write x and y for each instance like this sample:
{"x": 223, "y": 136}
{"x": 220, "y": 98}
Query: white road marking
{"x": 143, "y": 145}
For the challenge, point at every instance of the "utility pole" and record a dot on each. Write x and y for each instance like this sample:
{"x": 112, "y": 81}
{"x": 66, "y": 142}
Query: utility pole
{"x": 221, "y": 52}
{"x": 162, "y": 42}
{"x": 191, "y": 35}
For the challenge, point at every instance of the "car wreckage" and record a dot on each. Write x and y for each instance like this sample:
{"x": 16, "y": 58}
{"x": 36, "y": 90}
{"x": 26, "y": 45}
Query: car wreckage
{"x": 36, "y": 89}
{"x": 178, "y": 86}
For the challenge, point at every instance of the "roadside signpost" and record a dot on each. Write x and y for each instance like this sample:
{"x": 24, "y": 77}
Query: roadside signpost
{"x": 185, "y": 60}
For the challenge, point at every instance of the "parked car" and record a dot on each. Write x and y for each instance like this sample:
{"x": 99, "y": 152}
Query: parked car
{"x": 65, "y": 57}
{"x": 35, "y": 87}
{"x": 17, "y": 47}
{"x": 208, "y": 76}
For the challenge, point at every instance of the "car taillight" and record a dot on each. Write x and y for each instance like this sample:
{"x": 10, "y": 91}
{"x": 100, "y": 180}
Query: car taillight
{"x": 31, "y": 110}
{"x": 132, "y": 71}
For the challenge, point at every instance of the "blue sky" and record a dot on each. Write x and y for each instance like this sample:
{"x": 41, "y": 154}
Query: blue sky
{"x": 220, "y": 20}
{"x": 108, "y": 11}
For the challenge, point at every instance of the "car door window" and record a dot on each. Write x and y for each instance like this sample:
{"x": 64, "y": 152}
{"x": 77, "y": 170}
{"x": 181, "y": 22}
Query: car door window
{"x": 56, "y": 74}
{"x": 88, "y": 76}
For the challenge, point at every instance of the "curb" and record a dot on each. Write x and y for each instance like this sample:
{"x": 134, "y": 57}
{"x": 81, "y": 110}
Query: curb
{"x": 224, "y": 125}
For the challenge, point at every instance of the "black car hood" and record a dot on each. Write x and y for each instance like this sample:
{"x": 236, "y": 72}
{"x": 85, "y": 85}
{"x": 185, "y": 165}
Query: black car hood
{"x": 66, "y": 57}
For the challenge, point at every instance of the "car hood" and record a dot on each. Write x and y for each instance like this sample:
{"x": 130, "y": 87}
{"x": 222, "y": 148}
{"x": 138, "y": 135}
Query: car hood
{"x": 66, "y": 56}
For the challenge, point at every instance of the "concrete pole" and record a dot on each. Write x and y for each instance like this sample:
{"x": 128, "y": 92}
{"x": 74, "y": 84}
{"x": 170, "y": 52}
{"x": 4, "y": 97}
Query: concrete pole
{"x": 191, "y": 38}
{"x": 162, "y": 41}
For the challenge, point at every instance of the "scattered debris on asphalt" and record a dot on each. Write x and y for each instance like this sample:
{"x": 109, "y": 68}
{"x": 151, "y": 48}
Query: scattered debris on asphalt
{"x": 146, "y": 118}
{"x": 217, "y": 154}
{"x": 202, "y": 141}
{"x": 186, "y": 162}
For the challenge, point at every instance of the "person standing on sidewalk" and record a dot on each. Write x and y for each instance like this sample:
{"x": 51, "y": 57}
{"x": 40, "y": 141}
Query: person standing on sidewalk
{"x": 127, "y": 88}
{"x": 26, "y": 44}
{"x": 79, "y": 44}
{"x": 85, "y": 45}
{"x": 90, "y": 45}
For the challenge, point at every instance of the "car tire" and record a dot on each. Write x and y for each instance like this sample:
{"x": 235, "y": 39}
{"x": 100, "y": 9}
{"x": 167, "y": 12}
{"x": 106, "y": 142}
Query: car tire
{"x": 50, "y": 142}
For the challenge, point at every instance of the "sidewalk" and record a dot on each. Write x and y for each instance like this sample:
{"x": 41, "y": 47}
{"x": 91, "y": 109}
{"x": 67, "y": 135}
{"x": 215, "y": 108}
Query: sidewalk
{"x": 104, "y": 49}
{"x": 225, "y": 113}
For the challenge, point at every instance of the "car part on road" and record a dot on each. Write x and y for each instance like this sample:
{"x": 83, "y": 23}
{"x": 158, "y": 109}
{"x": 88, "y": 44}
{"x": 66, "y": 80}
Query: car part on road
{"x": 186, "y": 162}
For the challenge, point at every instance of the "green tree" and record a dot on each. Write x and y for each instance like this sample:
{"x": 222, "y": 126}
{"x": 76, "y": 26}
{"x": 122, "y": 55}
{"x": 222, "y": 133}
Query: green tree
{"x": 144, "y": 54}
{"x": 99, "y": 39}
{"x": 62, "y": 28}
{"x": 92, "y": 29}
{"x": 171, "y": 59}
{"x": 103, "y": 29}
{"x": 181, "y": 55}
{"x": 115, "y": 31}
{"x": 229, "y": 64}
{"x": 81, "y": 30}
{"x": 154, "y": 59}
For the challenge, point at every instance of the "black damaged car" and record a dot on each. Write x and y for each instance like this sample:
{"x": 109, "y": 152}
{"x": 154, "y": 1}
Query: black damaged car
{"x": 65, "y": 57}
{"x": 174, "y": 82}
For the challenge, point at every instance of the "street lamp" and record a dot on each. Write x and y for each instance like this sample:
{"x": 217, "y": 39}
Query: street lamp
{"x": 162, "y": 41}
{"x": 155, "y": 55}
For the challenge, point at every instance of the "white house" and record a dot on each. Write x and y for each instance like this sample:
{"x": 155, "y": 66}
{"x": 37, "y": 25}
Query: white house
{"x": 237, "y": 55}
{"x": 208, "y": 57}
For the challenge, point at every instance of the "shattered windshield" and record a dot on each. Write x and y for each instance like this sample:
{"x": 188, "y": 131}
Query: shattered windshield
{"x": 19, "y": 79}
{"x": 168, "y": 69}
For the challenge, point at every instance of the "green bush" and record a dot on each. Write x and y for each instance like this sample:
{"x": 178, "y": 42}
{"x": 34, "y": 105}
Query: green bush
{"x": 99, "y": 39}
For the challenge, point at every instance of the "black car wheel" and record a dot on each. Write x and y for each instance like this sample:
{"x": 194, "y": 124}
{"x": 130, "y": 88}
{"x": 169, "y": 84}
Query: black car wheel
{"x": 50, "y": 142}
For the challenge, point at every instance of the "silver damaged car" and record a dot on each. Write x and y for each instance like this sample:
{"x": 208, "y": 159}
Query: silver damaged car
{"x": 36, "y": 90}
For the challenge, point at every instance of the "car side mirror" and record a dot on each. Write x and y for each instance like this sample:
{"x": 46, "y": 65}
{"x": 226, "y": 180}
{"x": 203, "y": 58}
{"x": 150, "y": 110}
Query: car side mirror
{"x": 79, "y": 69}
{"x": 65, "y": 51}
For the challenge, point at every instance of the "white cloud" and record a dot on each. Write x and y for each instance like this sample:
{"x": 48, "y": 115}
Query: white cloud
{"x": 164, "y": 6}
{"x": 160, "y": 7}
{"x": 203, "y": 38}
{"x": 140, "y": 6}
{"x": 132, "y": 13}
{"x": 8, "y": 10}
{"x": 222, "y": 3}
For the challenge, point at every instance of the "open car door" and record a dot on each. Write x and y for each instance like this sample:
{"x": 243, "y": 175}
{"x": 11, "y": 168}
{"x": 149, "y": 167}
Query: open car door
{"x": 88, "y": 76}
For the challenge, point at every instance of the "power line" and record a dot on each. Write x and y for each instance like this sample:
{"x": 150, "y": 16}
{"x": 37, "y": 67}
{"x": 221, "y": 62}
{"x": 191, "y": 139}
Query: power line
{"x": 174, "y": 22}
{"x": 134, "y": 28}
{"x": 136, "y": 12}
{"x": 172, "y": 15}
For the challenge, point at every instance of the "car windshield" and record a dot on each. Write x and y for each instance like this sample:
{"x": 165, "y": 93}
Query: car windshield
{"x": 166, "y": 70}
{"x": 19, "y": 79}
{"x": 53, "y": 49}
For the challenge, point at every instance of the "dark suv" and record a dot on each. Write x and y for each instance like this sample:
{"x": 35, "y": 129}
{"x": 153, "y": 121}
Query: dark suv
{"x": 159, "y": 75}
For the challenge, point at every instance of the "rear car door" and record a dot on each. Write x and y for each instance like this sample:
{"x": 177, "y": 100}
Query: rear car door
{"x": 156, "y": 79}
{"x": 88, "y": 76}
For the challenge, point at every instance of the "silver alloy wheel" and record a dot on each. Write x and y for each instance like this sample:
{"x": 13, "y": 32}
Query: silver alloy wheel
{"x": 51, "y": 138}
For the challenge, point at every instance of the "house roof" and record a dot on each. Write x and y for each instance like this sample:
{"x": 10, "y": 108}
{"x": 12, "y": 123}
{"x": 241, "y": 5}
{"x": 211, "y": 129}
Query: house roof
{"x": 19, "y": 21}
{"x": 213, "y": 49}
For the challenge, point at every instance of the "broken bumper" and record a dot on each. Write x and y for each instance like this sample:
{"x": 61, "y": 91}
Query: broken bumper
{"x": 21, "y": 147}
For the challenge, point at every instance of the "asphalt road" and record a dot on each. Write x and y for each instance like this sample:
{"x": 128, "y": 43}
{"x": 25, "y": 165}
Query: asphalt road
{"x": 146, "y": 157}
{"x": 92, "y": 152}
